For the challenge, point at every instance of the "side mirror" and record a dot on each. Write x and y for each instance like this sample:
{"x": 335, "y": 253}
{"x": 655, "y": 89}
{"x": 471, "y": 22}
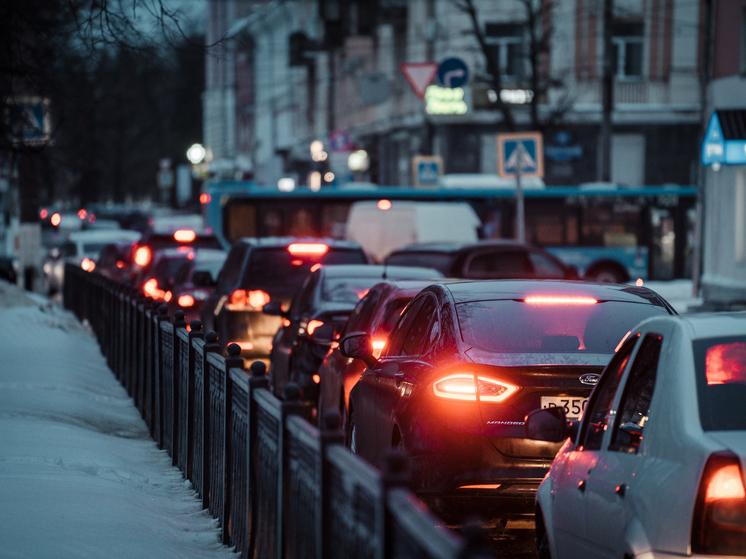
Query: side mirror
{"x": 273, "y": 308}
{"x": 324, "y": 334}
{"x": 358, "y": 345}
{"x": 202, "y": 278}
{"x": 549, "y": 424}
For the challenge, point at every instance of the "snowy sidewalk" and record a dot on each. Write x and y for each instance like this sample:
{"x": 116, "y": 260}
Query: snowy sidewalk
{"x": 80, "y": 477}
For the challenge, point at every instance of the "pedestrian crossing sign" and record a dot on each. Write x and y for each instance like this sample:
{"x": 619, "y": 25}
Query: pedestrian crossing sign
{"x": 427, "y": 169}
{"x": 520, "y": 152}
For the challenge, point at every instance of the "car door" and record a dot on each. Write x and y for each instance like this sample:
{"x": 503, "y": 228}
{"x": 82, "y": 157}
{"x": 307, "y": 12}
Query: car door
{"x": 607, "y": 487}
{"x": 409, "y": 364}
{"x": 363, "y": 395}
{"x": 571, "y": 473}
{"x": 286, "y": 338}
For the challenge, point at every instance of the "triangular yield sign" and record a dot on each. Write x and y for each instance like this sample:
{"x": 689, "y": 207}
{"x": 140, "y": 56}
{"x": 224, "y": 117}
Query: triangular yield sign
{"x": 419, "y": 75}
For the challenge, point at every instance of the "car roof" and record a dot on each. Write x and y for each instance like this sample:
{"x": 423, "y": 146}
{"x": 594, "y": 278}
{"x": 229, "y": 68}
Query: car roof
{"x": 456, "y": 247}
{"x": 714, "y": 325}
{"x": 378, "y": 270}
{"x": 482, "y": 290}
{"x": 104, "y": 235}
{"x": 283, "y": 242}
{"x": 182, "y": 251}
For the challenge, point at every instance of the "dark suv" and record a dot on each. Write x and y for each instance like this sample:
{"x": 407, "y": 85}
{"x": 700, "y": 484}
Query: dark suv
{"x": 260, "y": 270}
{"x": 492, "y": 259}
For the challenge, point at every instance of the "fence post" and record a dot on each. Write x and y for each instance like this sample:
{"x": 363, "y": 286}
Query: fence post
{"x": 291, "y": 405}
{"x": 194, "y": 332}
{"x": 179, "y": 322}
{"x": 257, "y": 381}
{"x": 331, "y": 433}
{"x": 211, "y": 346}
{"x": 395, "y": 475}
{"x": 232, "y": 360}
{"x": 157, "y": 370}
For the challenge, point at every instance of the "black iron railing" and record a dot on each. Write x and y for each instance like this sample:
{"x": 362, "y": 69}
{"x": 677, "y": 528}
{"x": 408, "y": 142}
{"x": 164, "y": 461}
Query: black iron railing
{"x": 280, "y": 488}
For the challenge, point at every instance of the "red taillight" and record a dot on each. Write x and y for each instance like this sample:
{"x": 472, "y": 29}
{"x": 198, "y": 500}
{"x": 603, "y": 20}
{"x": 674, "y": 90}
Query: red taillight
{"x": 186, "y": 301}
{"x": 204, "y": 198}
{"x": 461, "y": 386}
{"x": 142, "y": 256}
{"x": 719, "y": 523}
{"x": 309, "y": 249}
{"x": 185, "y": 235}
{"x": 88, "y": 265}
{"x": 256, "y": 298}
{"x": 55, "y": 219}
{"x": 312, "y": 325}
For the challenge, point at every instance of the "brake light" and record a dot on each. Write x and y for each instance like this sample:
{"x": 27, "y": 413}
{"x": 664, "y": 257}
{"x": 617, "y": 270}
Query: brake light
{"x": 312, "y": 249}
{"x": 312, "y": 325}
{"x": 317, "y": 378}
{"x": 719, "y": 520}
{"x": 204, "y": 198}
{"x": 186, "y": 301}
{"x": 185, "y": 235}
{"x": 168, "y": 296}
{"x": 559, "y": 300}
{"x": 461, "y": 386}
{"x": 142, "y": 256}
{"x": 150, "y": 288}
{"x": 316, "y": 266}
{"x": 55, "y": 219}
{"x": 255, "y": 298}
{"x": 88, "y": 265}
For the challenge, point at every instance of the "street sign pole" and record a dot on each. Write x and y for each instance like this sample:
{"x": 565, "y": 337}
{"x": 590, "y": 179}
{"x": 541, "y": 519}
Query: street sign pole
{"x": 520, "y": 222}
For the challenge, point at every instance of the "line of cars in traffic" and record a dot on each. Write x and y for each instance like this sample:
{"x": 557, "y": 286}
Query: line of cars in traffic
{"x": 524, "y": 396}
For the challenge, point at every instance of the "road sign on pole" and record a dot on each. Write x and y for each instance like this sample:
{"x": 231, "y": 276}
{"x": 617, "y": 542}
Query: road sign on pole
{"x": 419, "y": 75}
{"x": 453, "y": 72}
{"x": 426, "y": 169}
{"x": 520, "y": 152}
{"x": 520, "y": 155}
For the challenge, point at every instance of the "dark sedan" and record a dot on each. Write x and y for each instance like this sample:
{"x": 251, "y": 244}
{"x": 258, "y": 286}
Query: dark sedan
{"x": 318, "y": 311}
{"x": 376, "y": 314}
{"x": 466, "y": 362}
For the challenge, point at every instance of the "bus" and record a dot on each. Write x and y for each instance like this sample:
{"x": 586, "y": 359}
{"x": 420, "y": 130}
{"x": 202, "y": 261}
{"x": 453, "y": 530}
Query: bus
{"x": 609, "y": 232}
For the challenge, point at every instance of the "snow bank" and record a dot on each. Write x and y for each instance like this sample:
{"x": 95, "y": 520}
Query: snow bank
{"x": 79, "y": 474}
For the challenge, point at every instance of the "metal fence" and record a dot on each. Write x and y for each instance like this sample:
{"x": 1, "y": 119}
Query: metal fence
{"x": 281, "y": 488}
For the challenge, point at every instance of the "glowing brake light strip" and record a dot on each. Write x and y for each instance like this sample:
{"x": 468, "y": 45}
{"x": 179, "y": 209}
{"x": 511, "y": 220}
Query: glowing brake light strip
{"x": 185, "y": 235}
{"x": 308, "y": 248}
{"x": 559, "y": 300}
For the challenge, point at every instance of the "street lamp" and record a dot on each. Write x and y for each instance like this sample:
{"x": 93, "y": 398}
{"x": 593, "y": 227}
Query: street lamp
{"x": 196, "y": 154}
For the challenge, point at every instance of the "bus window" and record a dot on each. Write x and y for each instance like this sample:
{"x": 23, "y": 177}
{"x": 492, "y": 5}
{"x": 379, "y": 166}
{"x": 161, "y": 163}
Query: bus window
{"x": 239, "y": 220}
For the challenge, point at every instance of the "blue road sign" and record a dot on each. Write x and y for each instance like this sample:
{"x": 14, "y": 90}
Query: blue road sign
{"x": 522, "y": 151}
{"x": 453, "y": 72}
{"x": 427, "y": 169}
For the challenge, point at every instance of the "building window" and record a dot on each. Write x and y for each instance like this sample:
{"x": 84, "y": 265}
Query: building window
{"x": 506, "y": 43}
{"x": 627, "y": 46}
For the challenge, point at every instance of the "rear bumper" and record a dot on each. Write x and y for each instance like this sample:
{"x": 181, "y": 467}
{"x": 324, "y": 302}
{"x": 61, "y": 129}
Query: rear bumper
{"x": 252, "y": 330}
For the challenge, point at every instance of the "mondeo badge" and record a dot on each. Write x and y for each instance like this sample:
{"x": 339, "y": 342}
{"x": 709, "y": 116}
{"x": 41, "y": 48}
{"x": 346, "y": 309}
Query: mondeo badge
{"x": 589, "y": 378}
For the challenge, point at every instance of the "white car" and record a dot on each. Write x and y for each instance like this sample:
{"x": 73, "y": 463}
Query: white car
{"x": 679, "y": 490}
{"x": 82, "y": 248}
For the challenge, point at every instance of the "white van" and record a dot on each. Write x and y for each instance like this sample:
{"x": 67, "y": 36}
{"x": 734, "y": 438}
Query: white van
{"x": 380, "y": 231}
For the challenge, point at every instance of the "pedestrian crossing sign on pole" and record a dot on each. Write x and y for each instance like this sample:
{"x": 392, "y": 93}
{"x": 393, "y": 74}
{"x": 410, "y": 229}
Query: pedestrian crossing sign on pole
{"x": 520, "y": 153}
{"x": 426, "y": 169}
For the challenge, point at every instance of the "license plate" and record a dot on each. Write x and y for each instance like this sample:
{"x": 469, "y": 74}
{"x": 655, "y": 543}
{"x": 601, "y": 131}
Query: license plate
{"x": 574, "y": 407}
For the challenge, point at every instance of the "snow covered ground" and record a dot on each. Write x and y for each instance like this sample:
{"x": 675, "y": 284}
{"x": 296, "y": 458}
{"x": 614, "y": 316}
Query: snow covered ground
{"x": 80, "y": 476}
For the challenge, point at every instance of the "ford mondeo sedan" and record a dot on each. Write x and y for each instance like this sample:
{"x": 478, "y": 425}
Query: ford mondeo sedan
{"x": 466, "y": 362}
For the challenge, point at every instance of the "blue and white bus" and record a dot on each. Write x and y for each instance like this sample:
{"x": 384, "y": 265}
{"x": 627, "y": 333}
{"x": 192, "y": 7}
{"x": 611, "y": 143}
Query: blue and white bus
{"x": 608, "y": 232}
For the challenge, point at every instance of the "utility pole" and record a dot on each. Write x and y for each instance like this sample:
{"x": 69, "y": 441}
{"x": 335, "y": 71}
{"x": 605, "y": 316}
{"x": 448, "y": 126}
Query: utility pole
{"x": 607, "y": 84}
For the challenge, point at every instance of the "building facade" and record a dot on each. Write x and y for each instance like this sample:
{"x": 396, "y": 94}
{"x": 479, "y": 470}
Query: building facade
{"x": 291, "y": 72}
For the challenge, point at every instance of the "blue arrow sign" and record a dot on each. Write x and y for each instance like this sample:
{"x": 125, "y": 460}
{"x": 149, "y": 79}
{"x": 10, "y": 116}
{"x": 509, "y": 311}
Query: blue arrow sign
{"x": 453, "y": 72}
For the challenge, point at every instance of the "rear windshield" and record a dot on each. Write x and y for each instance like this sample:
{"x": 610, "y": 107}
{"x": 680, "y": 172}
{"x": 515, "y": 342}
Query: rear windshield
{"x": 278, "y": 272}
{"x": 720, "y": 365}
{"x": 347, "y": 290}
{"x": 435, "y": 260}
{"x": 93, "y": 248}
{"x": 165, "y": 269}
{"x": 520, "y": 327}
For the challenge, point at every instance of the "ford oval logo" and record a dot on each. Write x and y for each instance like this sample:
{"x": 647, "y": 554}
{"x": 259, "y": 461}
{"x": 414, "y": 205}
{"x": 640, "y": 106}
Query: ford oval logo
{"x": 589, "y": 378}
